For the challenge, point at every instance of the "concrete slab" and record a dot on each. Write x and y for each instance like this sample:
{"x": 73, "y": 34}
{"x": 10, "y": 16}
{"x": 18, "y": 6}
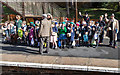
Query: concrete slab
{"x": 103, "y": 63}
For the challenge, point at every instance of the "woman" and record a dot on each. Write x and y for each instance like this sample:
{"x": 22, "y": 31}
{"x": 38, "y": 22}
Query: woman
{"x": 18, "y": 23}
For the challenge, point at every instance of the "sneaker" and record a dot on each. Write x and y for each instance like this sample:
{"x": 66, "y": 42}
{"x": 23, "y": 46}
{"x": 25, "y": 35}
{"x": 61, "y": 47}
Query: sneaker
{"x": 55, "y": 47}
{"x": 45, "y": 52}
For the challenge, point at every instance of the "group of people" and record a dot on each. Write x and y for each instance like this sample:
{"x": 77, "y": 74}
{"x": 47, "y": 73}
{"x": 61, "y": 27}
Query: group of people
{"x": 51, "y": 33}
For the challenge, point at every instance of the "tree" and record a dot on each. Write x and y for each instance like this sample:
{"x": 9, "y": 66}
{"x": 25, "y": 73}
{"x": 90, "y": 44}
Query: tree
{"x": 118, "y": 6}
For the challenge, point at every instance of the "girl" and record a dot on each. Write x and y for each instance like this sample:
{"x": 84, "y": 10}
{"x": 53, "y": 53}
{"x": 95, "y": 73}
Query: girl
{"x": 31, "y": 34}
{"x": 77, "y": 35}
{"x": 54, "y": 36}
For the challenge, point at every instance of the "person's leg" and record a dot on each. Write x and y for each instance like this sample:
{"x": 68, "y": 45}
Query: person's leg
{"x": 115, "y": 46}
{"x": 111, "y": 38}
{"x": 101, "y": 37}
{"x": 48, "y": 43}
{"x": 79, "y": 40}
{"x": 55, "y": 44}
{"x": 71, "y": 44}
{"x": 41, "y": 46}
{"x": 63, "y": 43}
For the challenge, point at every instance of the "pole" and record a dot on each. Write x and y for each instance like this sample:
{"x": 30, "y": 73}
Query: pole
{"x": 67, "y": 5}
{"x": 23, "y": 11}
{"x": 1, "y": 11}
{"x": 76, "y": 19}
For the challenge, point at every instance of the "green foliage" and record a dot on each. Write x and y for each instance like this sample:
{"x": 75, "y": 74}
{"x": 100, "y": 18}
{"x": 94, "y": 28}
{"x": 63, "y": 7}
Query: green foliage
{"x": 110, "y": 5}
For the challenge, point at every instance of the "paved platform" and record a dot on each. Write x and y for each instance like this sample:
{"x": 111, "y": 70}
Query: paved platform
{"x": 103, "y": 58}
{"x": 57, "y": 62}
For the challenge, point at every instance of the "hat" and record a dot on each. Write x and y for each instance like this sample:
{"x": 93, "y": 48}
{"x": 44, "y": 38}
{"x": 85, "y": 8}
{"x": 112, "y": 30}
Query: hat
{"x": 56, "y": 23}
{"x": 77, "y": 24}
{"x": 96, "y": 22}
{"x": 49, "y": 15}
{"x": 71, "y": 23}
{"x": 32, "y": 24}
{"x": 112, "y": 14}
{"x": 83, "y": 22}
{"x": 44, "y": 15}
{"x": 63, "y": 22}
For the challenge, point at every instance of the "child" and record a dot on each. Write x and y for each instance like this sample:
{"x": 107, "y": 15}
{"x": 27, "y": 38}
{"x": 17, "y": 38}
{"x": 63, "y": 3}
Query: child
{"x": 72, "y": 31}
{"x": 97, "y": 33}
{"x": 77, "y": 34}
{"x": 24, "y": 29}
{"x": 31, "y": 34}
{"x": 84, "y": 29}
{"x": 37, "y": 23}
{"x": 90, "y": 32}
{"x": 4, "y": 29}
{"x": 54, "y": 36}
{"x": 62, "y": 34}
{"x": 85, "y": 37}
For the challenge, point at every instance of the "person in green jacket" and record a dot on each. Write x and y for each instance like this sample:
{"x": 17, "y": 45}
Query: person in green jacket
{"x": 18, "y": 22}
{"x": 62, "y": 34}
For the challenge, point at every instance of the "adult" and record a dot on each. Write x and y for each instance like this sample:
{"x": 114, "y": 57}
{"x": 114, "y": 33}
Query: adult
{"x": 86, "y": 17}
{"x": 113, "y": 27}
{"x": 18, "y": 22}
{"x": 44, "y": 33}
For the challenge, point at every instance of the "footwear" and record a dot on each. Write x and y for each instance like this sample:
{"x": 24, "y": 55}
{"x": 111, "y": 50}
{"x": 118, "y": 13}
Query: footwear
{"x": 45, "y": 52}
{"x": 40, "y": 52}
{"x": 115, "y": 47}
{"x": 55, "y": 47}
{"x": 100, "y": 43}
{"x": 110, "y": 45}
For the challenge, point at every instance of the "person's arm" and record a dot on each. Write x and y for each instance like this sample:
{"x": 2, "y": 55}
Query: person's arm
{"x": 40, "y": 28}
{"x": 56, "y": 29}
{"x": 104, "y": 24}
{"x": 117, "y": 26}
{"x": 80, "y": 15}
{"x": 20, "y": 23}
{"x": 65, "y": 29}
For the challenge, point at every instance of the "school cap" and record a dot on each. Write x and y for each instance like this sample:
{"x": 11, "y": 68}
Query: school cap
{"x": 63, "y": 22}
{"x": 71, "y": 23}
{"x": 96, "y": 22}
{"x": 44, "y": 15}
{"x": 56, "y": 23}
{"x": 77, "y": 24}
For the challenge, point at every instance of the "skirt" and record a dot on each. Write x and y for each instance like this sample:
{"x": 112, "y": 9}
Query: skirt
{"x": 53, "y": 38}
